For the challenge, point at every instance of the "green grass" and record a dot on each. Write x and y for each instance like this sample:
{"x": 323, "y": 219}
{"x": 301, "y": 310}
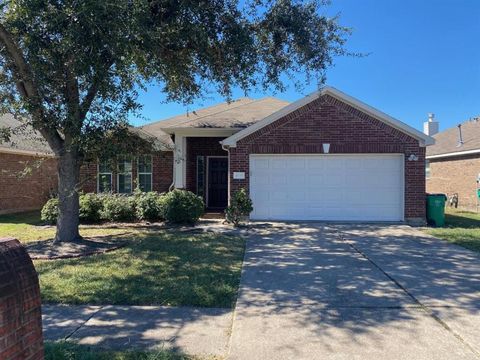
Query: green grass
{"x": 28, "y": 227}
{"x": 157, "y": 267}
{"x": 70, "y": 351}
{"x": 161, "y": 268}
{"x": 461, "y": 228}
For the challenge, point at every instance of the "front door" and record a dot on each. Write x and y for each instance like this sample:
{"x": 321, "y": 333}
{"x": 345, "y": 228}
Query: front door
{"x": 217, "y": 182}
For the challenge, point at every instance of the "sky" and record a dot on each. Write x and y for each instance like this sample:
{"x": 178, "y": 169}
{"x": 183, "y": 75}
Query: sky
{"x": 423, "y": 56}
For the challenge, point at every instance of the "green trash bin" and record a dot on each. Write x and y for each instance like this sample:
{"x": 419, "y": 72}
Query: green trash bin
{"x": 436, "y": 209}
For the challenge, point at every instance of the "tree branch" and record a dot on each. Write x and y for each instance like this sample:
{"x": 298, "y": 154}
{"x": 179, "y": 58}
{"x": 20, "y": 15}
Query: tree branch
{"x": 28, "y": 90}
{"x": 72, "y": 98}
{"x": 93, "y": 89}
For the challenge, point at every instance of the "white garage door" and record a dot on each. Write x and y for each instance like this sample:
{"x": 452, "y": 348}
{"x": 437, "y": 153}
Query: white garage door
{"x": 327, "y": 187}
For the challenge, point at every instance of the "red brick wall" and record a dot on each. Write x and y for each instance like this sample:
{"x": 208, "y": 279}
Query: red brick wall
{"x": 26, "y": 181}
{"x": 347, "y": 130}
{"x": 162, "y": 173}
{"x": 205, "y": 146}
{"x": 20, "y": 305}
{"x": 456, "y": 175}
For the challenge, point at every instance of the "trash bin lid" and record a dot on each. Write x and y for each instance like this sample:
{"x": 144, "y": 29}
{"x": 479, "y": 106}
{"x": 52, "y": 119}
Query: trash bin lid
{"x": 439, "y": 195}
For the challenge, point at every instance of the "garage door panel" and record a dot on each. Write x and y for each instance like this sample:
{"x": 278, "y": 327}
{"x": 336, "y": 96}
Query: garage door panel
{"x": 278, "y": 180}
{"x": 365, "y": 187}
{"x": 296, "y": 180}
{"x": 293, "y": 164}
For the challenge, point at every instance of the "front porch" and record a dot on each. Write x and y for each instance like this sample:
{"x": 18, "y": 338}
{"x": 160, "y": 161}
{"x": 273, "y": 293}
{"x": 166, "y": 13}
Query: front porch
{"x": 201, "y": 166}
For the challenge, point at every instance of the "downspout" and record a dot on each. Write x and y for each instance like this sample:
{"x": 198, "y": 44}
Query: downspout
{"x": 172, "y": 186}
{"x": 227, "y": 149}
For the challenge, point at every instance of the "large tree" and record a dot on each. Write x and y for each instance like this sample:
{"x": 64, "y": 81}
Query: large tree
{"x": 72, "y": 68}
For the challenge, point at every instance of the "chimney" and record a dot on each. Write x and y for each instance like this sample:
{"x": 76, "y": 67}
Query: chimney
{"x": 460, "y": 138}
{"x": 430, "y": 127}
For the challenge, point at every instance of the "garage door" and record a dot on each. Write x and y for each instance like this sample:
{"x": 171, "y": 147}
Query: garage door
{"x": 327, "y": 187}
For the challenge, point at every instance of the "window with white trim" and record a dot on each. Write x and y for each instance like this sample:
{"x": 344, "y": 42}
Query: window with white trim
{"x": 427, "y": 169}
{"x": 104, "y": 176}
{"x": 124, "y": 175}
{"x": 144, "y": 172}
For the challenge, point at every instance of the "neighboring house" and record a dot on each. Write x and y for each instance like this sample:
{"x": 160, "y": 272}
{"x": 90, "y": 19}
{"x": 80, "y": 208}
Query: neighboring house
{"x": 27, "y": 169}
{"x": 453, "y": 163}
{"x": 326, "y": 156}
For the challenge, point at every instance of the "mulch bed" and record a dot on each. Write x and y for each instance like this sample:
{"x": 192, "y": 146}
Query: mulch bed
{"x": 47, "y": 250}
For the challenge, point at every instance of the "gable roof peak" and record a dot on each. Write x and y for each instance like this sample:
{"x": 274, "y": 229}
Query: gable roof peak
{"x": 341, "y": 96}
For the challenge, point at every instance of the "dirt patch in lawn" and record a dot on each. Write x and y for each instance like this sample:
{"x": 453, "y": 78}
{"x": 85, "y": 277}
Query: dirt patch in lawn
{"x": 48, "y": 250}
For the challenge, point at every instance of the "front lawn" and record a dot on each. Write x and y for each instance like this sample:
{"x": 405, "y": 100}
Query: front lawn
{"x": 156, "y": 267}
{"x": 461, "y": 228}
{"x": 69, "y": 351}
{"x": 28, "y": 227}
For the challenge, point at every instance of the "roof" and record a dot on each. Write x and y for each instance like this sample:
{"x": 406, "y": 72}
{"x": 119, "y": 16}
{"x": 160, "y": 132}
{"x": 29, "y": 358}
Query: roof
{"x": 159, "y": 143}
{"x": 328, "y": 90}
{"x": 447, "y": 144}
{"x": 237, "y": 114}
{"x": 23, "y": 138}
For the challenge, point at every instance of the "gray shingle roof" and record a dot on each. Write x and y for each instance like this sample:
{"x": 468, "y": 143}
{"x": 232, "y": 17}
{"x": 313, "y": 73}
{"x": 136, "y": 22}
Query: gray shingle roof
{"x": 237, "y": 114}
{"x": 447, "y": 141}
{"x": 22, "y": 137}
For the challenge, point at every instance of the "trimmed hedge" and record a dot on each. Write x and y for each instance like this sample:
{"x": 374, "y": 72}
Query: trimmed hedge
{"x": 149, "y": 206}
{"x": 178, "y": 206}
{"x": 49, "y": 212}
{"x": 91, "y": 206}
{"x": 183, "y": 207}
{"x": 117, "y": 207}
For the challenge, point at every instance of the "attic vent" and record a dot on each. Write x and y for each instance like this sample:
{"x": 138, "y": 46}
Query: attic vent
{"x": 460, "y": 138}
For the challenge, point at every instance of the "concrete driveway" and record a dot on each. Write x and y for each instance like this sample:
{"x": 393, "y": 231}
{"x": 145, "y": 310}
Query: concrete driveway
{"x": 315, "y": 291}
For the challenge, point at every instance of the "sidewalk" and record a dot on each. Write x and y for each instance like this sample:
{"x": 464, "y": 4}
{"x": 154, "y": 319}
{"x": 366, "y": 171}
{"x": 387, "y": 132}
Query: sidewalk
{"x": 200, "y": 331}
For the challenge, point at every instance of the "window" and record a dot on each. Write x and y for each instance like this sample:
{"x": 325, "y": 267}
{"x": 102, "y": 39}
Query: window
{"x": 427, "y": 169}
{"x": 201, "y": 176}
{"x": 124, "y": 175}
{"x": 104, "y": 176}
{"x": 144, "y": 171}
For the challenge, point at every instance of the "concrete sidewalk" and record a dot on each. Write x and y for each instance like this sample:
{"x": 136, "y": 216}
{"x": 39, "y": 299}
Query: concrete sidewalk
{"x": 200, "y": 331}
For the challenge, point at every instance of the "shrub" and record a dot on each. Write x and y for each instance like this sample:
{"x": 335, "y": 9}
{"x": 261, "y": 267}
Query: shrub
{"x": 49, "y": 212}
{"x": 181, "y": 206}
{"x": 148, "y": 206}
{"x": 240, "y": 207}
{"x": 118, "y": 207}
{"x": 91, "y": 206}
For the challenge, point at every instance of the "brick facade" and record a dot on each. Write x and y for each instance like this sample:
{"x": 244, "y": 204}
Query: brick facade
{"x": 200, "y": 146}
{"x": 162, "y": 173}
{"x": 347, "y": 130}
{"x": 456, "y": 175}
{"x": 21, "y": 335}
{"x": 26, "y": 181}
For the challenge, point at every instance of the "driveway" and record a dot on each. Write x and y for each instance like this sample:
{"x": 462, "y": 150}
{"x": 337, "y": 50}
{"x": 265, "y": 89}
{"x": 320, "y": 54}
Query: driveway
{"x": 316, "y": 291}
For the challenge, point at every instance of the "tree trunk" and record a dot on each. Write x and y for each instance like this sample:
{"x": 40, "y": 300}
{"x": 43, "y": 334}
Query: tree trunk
{"x": 68, "y": 206}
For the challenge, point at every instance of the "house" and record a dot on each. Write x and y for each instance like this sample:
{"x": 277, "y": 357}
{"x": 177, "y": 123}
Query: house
{"x": 27, "y": 169}
{"x": 326, "y": 156}
{"x": 453, "y": 163}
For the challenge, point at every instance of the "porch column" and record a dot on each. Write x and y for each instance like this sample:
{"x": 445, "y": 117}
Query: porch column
{"x": 180, "y": 161}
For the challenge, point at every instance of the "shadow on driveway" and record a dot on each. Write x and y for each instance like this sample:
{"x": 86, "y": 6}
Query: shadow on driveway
{"x": 306, "y": 293}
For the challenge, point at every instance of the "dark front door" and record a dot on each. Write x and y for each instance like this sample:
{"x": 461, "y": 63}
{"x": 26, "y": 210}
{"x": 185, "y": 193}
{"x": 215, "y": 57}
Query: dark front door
{"x": 217, "y": 183}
